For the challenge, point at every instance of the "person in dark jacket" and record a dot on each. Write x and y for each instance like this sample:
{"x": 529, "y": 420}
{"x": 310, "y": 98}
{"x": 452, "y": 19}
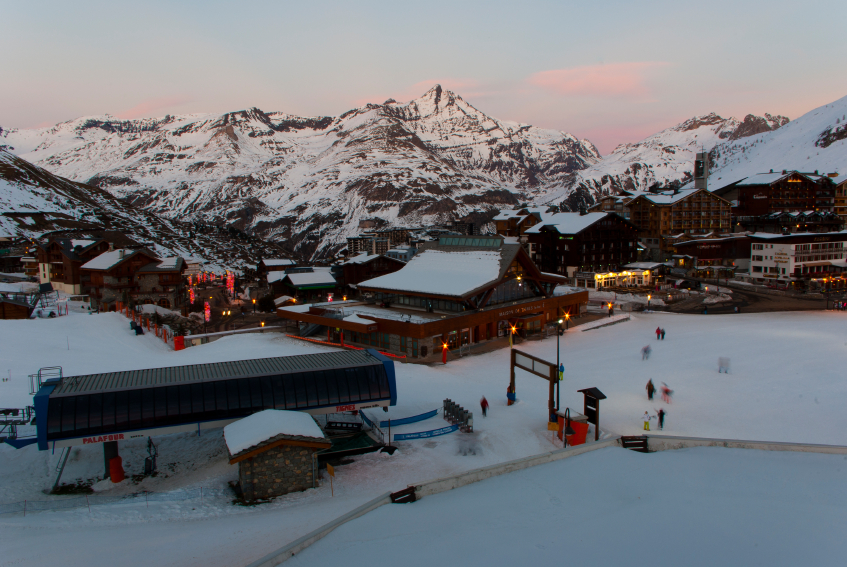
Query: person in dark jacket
{"x": 661, "y": 413}
{"x": 650, "y": 389}
{"x": 483, "y": 403}
{"x": 663, "y": 334}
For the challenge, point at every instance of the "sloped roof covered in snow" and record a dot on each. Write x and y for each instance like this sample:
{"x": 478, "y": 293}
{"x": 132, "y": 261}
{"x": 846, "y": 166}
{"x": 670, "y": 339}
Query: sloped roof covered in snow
{"x": 439, "y": 272}
{"x": 361, "y": 258}
{"x": 266, "y": 427}
{"x": 568, "y": 223}
{"x": 172, "y": 264}
{"x": 279, "y": 263}
{"x": 315, "y": 278}
{"x": 108, "y": 260}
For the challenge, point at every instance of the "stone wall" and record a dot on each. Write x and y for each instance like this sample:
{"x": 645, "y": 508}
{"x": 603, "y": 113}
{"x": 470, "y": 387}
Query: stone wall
{"x": 277, "y": 471}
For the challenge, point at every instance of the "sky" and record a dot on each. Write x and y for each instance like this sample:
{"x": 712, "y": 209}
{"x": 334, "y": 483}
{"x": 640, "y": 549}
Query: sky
{"x": 611, "y": 72}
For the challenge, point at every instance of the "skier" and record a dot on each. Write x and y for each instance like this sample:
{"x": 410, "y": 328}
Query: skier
{"x": 650, "y": 389}
{"x": 645, "y": 352}
{"x": 661, "y": 414}
{"x": 666, "y": 393}
{"x": 483, "y": 403}
{"x": 663, "y": 334}
{"x": 646, "y": 419}
{"x": 658, "y": 332}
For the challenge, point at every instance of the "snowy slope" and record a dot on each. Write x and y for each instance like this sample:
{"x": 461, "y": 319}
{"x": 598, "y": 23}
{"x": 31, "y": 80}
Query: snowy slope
{"x": 667, "y": 156}
{"x": 815, "y": 141}
{"x": 311, "y": 180}
{"x": 79, "y": 209}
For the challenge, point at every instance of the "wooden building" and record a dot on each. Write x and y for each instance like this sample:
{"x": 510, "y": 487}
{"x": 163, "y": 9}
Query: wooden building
{"x": 798, "y": 221}
{"x": 717, "y": 257}
{"x": 60, "y": 260}
{"x": 567, "y": 243}
{"x": 457, "y": 291}
{"x": 366, "y": 266}
{"x": 133, "y": 275}
{"x": 14, "y": 309}
{"x": 786, "y": 191}
{"x": 662, "y": 218}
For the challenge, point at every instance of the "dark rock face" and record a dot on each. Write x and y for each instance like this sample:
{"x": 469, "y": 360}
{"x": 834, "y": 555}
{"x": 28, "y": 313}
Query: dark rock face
{"x": 753, "y": 125}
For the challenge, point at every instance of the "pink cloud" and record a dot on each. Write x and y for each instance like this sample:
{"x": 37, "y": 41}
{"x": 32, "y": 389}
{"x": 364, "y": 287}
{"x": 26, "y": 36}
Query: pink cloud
{"x": 153, "y": 106}
{"x": 612, "y": 80}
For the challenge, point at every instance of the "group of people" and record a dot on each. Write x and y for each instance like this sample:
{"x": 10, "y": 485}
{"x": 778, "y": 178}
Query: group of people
{"x": 666, "y": 394}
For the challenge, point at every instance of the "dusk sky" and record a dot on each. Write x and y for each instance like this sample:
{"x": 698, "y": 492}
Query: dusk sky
{"x": 611, "y": 72}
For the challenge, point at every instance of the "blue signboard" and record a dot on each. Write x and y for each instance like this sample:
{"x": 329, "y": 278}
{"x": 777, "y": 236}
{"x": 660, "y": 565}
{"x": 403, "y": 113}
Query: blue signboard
{"x": 425, "y": 434}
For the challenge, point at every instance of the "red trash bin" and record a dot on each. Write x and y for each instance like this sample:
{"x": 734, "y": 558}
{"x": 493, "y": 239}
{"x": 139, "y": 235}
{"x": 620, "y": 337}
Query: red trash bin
{"x": 580, "y": 431}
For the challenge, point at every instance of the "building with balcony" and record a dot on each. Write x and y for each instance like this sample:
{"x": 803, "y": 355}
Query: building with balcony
{"x": 137, "y": 276}
{"x": 571, "y": 243}
{"x": 780, "y": 192}
{"x": 455, "y": 292}
{"x": 665, "y": 218}
{"x": 801, "y": 261}
{"x": 60, "y": 259}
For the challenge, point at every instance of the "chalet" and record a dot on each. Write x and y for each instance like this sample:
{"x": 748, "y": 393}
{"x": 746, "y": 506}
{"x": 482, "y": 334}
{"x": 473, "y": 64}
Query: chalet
{"x": 571, "y": 243}
{"x": 785, "y": 222}
{"x": 717, "y": 257}
{"x": 14, "y": 309}
{"x": 455, "y": 292}
{"x": 663, "y": 218}
{"x": 60, "y": 260}
{"x": 786, "y": 191}
{"x": 133, "y": 275}
{"x": 304, "y": 283}
{"x": 270, "y": 265}
{"x": 366, "y": 266}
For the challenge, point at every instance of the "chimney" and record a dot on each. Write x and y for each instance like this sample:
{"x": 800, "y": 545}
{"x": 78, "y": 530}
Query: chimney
{"x": 121, "y": 252}
{"x": 582, "y": 210}
{"x": 784, "y": 172}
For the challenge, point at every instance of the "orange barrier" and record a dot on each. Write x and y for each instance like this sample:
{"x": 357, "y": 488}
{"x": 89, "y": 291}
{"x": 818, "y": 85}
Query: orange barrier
{"x": 342, "y": 345}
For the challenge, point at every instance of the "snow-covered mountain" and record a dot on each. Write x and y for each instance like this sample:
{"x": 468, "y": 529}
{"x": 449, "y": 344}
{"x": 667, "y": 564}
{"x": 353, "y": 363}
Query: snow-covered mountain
{"x": 815, "y": 141}
{"x": 665, "y": 157}
{"x": 76, "y": 208}
{"x": 310, "y": 181}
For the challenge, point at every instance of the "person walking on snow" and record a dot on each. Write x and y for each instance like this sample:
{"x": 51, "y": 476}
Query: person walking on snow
{"x": 645, "y": 352}
{"x": 661, "y": 414}
{"x": 646, "y": 419}
{"x": 483, "y": 403}
{"x": 650, "y": 389}
{"x": 663, "y": 334}
{"x": 658, "y": 332}
{"x": 666, "y": 393}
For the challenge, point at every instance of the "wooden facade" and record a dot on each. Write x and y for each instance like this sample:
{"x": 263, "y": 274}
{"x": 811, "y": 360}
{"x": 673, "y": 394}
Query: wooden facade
{"x": 789, "y": 191}
{"x": 60, "y": 261}
{"x": 605, "y": 245}
{"x": 10, "y": 309}
{"x": 661, "y": 217}
{"x": 358, "y": 270}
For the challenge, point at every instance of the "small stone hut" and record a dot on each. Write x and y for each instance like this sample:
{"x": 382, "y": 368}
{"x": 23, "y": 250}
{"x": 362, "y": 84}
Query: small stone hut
{"x": 275, "y": 451}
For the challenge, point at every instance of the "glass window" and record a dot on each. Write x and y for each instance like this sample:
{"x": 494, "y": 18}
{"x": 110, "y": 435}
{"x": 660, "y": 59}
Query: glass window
{"x": 148, "y": 408}
{"x": 197, "y": 399}
{"x": 134, "y": 405}
{"x": 185, "y": 400}
{"x": 95, "y": 413}
{"x": 300, "y": 390}
{"x": 365, "y": 385}
{"x": 267, "y": 392}
{"x": 54, "y": 416}
{"x": 160, "y": 399}
{"x": 238, "y": 392}
{"x": 290, "y": 391}
{"x": 221, "y": 399}
{"x": 81, "y": 421}
{"x": 68, "y": 411}
{"x": 343, "y": 389}
{"x": 332, "y": 386}
{"x": 320, "y": 378}
{"x": 173, "y": 402}
{"x": 353, "y": 383}
{"x": 311, "y": 389}
{"x": 255, "y": 393}
{"x": 278, "y": 387}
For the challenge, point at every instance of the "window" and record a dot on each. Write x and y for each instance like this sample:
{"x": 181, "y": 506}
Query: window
{"x": 757, "y": 269}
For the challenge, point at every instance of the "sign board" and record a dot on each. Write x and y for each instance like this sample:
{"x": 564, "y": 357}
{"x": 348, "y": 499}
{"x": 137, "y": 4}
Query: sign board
{"x": 330, "y": 469}
{"x": 534, "y": 365}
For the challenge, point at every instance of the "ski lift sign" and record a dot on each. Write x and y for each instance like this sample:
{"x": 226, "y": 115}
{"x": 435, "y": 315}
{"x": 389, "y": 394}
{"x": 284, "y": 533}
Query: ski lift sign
{"x": 207, "y": 312}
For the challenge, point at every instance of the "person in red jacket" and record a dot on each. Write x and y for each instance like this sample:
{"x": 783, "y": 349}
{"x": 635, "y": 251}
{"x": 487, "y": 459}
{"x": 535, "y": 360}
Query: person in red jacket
{"x": 658, "y": 332}
{"x": 483, "y": 403}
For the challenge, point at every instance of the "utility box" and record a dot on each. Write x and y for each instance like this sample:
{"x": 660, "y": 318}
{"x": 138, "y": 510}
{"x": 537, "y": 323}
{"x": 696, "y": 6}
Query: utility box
{"x": 592, "y": 408}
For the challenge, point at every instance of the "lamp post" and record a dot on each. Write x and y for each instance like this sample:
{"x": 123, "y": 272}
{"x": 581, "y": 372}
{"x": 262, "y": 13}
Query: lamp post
{"x": 558, "y": 364}
{"x": 648, "y": 302}
{"x": 254, "y": 306}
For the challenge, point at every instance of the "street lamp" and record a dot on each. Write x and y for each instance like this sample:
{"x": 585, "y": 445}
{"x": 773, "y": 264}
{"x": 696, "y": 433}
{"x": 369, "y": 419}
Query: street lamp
{"x": 559, "y": 368}
{"x": 648, "y": 301}
{"x": 568, "y": 429}
{"x": 254, "y": 306}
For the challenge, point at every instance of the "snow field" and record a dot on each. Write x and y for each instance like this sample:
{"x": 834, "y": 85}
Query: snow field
{"x": 784, "y": 385}
{"x": 696, "y": 507}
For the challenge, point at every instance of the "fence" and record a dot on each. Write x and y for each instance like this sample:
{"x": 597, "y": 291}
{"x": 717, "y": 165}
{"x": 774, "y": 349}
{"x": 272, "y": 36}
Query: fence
{"x": 89, "y": 500}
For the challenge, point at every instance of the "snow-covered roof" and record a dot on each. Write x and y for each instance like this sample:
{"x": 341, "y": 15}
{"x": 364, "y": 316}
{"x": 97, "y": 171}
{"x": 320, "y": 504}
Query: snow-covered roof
{"x": 361, "y": 258}
{"x": 356, "y": 319}
{"x": 568, "y": 223}
{"x": 669, "y": 198}
{"x": 442, "y": 273}
{"x": 769, "y": 178}
{"x": 281, "y": 262}
{"x": 311, "y": 278}
{"x": 644, "y": 265}
{"x": 275, "y": 276}
{"x": 301, "y": 308}
{"x": 83, "y": 243}
{"x": 170, "y": 264}
{"x": 262, "y": 426}
{"x": 282, "y": 299}
{"x": 107, "y": 260}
